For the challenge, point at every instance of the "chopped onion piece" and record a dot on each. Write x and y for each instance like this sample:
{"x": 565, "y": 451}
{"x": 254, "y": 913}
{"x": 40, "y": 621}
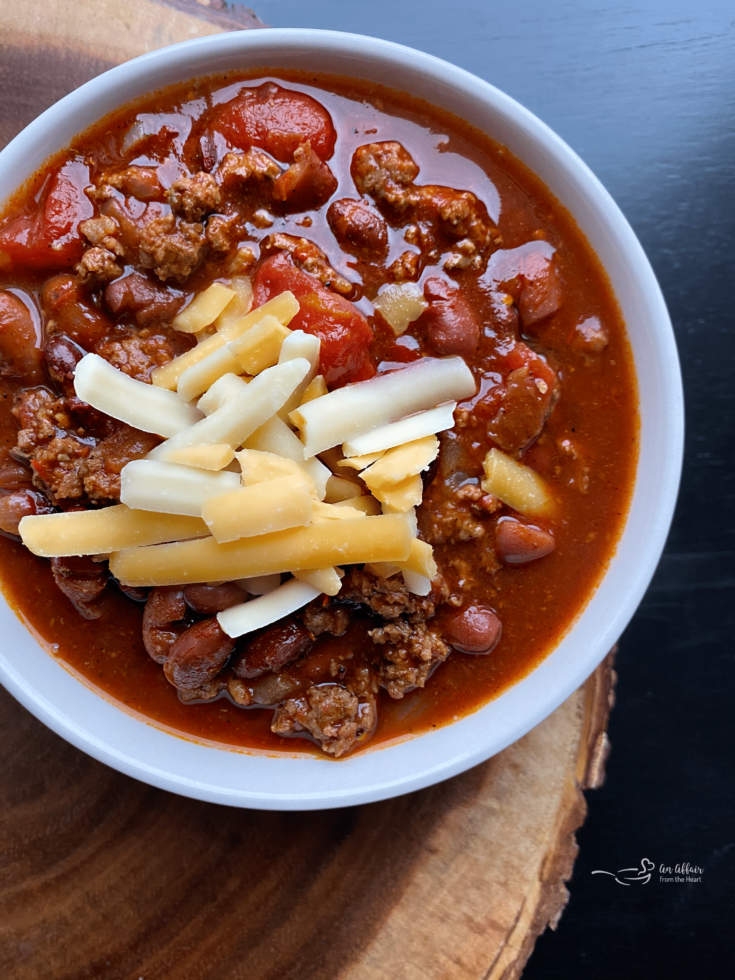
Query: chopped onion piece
{"x": 348, "y": 412}
{"x": 400, "y": 304}
{"x": 398, "y": 433}
{"x": 141, "y": 405}
{"x": 257, "y": 613}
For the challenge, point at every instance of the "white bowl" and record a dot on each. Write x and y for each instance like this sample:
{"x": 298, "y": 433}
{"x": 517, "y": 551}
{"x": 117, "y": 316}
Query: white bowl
{"x": 289, "y": 782}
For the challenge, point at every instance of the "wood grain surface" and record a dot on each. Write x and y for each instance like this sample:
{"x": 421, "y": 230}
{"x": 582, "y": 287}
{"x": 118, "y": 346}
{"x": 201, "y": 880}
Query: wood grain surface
{"x": 105, "y": 877}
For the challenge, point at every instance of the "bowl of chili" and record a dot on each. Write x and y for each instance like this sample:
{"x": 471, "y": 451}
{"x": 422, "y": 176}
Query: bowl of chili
{"x": 445, "y": 223}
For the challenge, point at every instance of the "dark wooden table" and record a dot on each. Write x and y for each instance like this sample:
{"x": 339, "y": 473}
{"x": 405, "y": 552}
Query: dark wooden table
{"x": 645, "y": 93}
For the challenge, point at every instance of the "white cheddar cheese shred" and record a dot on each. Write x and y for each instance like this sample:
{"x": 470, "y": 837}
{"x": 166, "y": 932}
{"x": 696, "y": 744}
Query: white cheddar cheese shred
{"x": 348, "y": 412}
{"x": 257, "y": 613}
{"x": 143, "y": 406}
{"x": 170, "y": 488}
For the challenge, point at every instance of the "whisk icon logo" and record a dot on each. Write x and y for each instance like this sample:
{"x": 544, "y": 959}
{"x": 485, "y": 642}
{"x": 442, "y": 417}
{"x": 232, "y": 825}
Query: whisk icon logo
{"x": 629, "y": 876}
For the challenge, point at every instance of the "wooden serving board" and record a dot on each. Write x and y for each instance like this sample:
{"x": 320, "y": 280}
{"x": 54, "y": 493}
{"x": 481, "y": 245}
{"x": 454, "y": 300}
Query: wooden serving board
{"x": 105, "y": 877}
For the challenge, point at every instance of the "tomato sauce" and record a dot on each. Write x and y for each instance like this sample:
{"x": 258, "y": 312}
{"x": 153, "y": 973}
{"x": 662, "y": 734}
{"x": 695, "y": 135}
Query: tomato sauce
{"x": 586, "y": 450}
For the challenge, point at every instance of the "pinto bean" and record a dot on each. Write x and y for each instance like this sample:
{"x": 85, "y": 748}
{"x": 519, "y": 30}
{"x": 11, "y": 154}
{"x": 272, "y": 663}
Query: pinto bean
{"x": 161, "y": 621}
{"x": 20, "y": 356}
{"x": 198, "y": 655}
{"x": 278, "y": 646}
{"x": 211, "y": 599}
{"x": 357, "y": 227}
{"x": 517, "y": 542}
{"x": 452, "y": 325}
{"x": 82, "y": 580}
{"x": 474, "y": 629}
{"x": 307, "y": 184}
{"x": 61, "y": 356}
{"x": 68, "y": 311}
{"x": 19, "y": 504}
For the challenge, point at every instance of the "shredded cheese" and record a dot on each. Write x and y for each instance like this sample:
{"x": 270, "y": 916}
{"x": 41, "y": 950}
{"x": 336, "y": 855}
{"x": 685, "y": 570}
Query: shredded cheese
{"x": 327, "y": 581}
{"x": 284, "y": 307}
{"x": 169, "y": 488}
{"x": 254, "y": 615}
{"x": 398, "y": 464}
{"x": 95, "y": 532}
{"x": 144, "y": 407}
{"x": 402, "y": 496}
{"x": 241, "y": 415}
{"x": 221, "y": 391}
{"x": 398, "y": 433}
{"x": 213, "y": 458}
{"x": 239, "y": 305}
{"x": 204, "y": 308}
{"x": 200, "y": 377}
{"x": 260, "y": 347}
{"x": 383, "y": 538}
{"x": 348, "y": 412}
{"x": 259, "y": 509}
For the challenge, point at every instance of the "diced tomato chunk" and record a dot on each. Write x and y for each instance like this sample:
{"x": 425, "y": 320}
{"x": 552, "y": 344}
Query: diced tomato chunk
{"x": 277, "y": 120}
{"x": 49, "y": 237}
{"x": 522, "y": 356}
{"x": 344, "y": 332}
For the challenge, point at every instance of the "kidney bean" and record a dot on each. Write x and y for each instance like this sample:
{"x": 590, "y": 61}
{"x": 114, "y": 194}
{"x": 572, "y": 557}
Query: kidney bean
{"x": 149, "y": 302}
{"x": 211, "y": 599}
{"x": 279, "y": 645}
{"x": 82, "y": 580}
{"x": 19, "y": 504}
{"x": 14, "y": 475}
{"x": 357, "y": 227}
{"x": 452, "y": 325}
{"x": 161, "y": 621}
{"x": 68, "y": 311}
{"x": 474, "y": 629}
{"x": 517, "y": 542}
{"x": 19, "y": 352}
{"x": 61, "y": 356}
{"x": 198, "y": 655}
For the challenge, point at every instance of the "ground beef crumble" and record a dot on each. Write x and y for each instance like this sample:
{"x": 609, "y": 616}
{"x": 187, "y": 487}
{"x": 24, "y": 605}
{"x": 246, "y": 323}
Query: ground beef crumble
{"x": 332, "y": 715}
{"x": 411, "y": 651}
